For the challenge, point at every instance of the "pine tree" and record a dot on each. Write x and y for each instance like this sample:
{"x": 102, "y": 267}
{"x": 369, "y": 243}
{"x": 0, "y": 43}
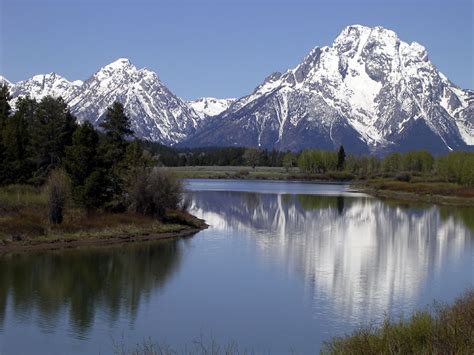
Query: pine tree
{"x": 117, "y": 129}
{"x": 51, "y": 131}
{"x": 341, "y": 158}
{"x": 4, "y": 114}
{"x": 90, "y": 187}
{"x": 81, "y": 157}
{"x": 16, "y": 139}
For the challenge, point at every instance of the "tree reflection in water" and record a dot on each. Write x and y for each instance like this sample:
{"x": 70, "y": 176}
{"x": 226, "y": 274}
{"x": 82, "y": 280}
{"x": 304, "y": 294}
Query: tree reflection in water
{"x": 112, "y": 280}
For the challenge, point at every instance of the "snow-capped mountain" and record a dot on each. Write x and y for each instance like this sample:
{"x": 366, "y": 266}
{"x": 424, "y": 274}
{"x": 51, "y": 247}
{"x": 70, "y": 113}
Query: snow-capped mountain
{"x": 209, "y": 106}
{"x": 4, "y": 81}
{"x": 369, "y": 91}
{"x": 43, "y": 85}
{"x": 156, "y": 113}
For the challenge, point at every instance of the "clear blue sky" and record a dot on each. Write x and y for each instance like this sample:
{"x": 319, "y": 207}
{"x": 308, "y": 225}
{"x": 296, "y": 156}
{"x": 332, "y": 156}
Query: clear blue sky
{"x": 221, "y": 48}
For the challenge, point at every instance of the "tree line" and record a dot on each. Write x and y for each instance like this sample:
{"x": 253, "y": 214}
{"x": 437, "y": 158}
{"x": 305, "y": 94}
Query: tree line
{"x": 42, "y": 143}
{"x": 215, "y": 156}
{"x": 455, "y": 167}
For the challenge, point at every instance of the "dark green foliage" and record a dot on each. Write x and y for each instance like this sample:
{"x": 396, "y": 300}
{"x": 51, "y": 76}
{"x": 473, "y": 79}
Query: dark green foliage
{"x": 101, "y": 170}
{"x": 16, "y": 138}
{"x": 117, "y": 129}
{"x": 341, "y": 158}
{"x": 5, "y": 107}
{"x": 90, "y": 187}
{"x": 81, "y": 156}
{"x": 4, "y": 114}
{"x": 96, "y": 191}
{"x": 214, "y": 156}
{"x": 116, "y": 124}
{"x": 51, "y": 131}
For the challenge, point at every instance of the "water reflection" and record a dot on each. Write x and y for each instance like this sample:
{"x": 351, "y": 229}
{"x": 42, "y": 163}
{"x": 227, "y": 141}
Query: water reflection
{"x": 113, "y": 281}
{"x": 362, "y": 254}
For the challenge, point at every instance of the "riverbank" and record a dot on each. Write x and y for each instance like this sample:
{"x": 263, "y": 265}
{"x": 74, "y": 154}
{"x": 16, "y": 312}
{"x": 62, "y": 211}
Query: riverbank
{"x": 257, "y": 173}
{"x": 421, "y": 191}
{"x": 24, "y": 225}
{"x": 443, "y": 329}
{"x": 419, "y": 188}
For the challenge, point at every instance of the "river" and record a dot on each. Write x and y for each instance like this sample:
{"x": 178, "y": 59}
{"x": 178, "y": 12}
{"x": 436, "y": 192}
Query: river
{"x": 283, "y": 267}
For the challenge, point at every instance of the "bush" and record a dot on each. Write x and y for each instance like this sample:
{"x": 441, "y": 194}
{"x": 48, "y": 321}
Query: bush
{"x": 243, "y": 173}
{"x": 57, "y": 192}
{"x": 155, "y": 192}
{"x": 403, "y": 177}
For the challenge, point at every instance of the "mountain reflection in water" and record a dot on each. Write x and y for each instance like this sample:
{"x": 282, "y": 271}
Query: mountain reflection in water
{"x": 348, "y": 249}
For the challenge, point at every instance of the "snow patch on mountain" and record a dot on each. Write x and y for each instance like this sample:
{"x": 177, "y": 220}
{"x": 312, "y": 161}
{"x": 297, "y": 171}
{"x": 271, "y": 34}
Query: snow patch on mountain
{"x": 156, "y": 113}
{"x": 209, "y": 106}
{"x": 387, "y": 91}
{"x": 43, "y": 85}
{"x": 5, "y": 81}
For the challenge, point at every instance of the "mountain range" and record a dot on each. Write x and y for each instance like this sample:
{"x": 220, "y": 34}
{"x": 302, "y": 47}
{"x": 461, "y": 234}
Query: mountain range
{"x": 369, "y": 91}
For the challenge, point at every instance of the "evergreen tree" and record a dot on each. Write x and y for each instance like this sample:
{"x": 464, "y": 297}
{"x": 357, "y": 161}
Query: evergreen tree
{"x": 5, "y": 107}
{"x": 92, "y": 185}
{"x": 16, "y": 139}
{"x": 4, "y": 114}
{"x": 117, "y": 128}
{"x": 341, "y": 158}
{"x": 51, "y": 131}
{"x": 81, "y": 157}
{"x": 137, "y": 160}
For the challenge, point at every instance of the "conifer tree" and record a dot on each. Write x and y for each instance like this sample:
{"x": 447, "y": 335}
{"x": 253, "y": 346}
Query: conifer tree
{"x": 16, "y": 139}
{"x": 51, "y": 131}
{"x": 117, "y": 129}
{"x": 4, "y": 114}
{"x": 341, "y": 158}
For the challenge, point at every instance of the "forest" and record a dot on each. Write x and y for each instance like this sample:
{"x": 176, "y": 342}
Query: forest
{"x": 43, "y": 146}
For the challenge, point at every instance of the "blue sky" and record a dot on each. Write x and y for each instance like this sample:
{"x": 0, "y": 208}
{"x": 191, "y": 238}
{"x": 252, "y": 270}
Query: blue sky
{"x": 216, "y": 48}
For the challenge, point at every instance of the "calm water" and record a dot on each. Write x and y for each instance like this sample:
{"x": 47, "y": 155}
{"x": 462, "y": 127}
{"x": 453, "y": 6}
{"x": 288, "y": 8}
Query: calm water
{"x": 283, "y": 267}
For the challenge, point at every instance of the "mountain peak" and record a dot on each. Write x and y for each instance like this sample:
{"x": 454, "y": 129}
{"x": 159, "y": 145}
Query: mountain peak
{"x": 4, "y": 80}
{"x": 118, "y": 64}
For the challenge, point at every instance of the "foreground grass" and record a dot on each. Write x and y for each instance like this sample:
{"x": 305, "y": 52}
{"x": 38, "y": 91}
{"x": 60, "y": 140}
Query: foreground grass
{"x": 440, "y": 330}
{"x": 23, "y": 221}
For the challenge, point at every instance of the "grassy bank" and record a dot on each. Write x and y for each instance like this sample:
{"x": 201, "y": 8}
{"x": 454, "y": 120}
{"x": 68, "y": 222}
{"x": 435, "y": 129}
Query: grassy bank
{"x": 419, "y": 190}
{"x": 24, "y": 224}
{"x": 420, "y": 187}
{"x": 440, "y": 330}
{"x": 257, "y": 173}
